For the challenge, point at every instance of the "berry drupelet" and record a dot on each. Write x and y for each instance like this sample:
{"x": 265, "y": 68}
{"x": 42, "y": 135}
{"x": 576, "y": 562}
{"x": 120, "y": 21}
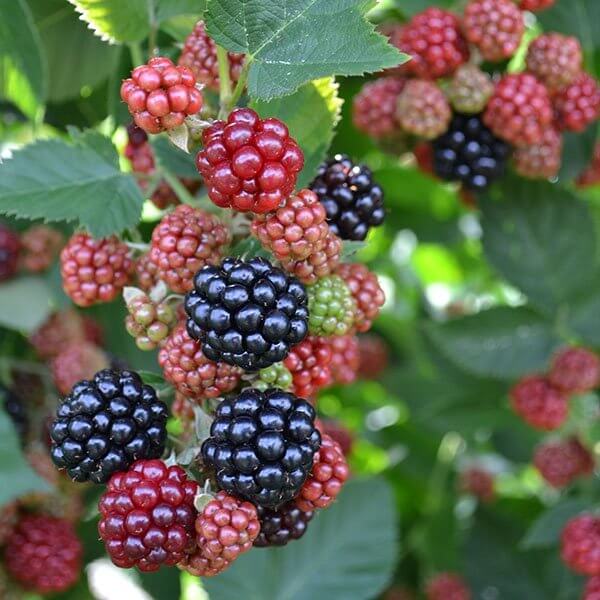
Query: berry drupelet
{"x": 352, "y": 200}
{"x": 578, "y": 104}
{"x": 106, "y": 424}
{"x": 246, "y": 313}
{"x": 468, "y": 152}
{"x": 262, "y": 445}
{"x": 309, "y": 363}
{"x": 281, "y": 525}
{"x": 10, "y": 246}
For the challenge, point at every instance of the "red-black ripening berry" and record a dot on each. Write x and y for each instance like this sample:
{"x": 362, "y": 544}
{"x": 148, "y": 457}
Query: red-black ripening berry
{"x": 278, "y": 526}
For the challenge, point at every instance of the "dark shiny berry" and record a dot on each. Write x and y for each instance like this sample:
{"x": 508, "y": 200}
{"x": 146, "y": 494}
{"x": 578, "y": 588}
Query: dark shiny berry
{"x": 262, "y": 445}
{"x": 282, "y": 525}
{"x": 106, "y": 424}
{"x": 15, "y": 409}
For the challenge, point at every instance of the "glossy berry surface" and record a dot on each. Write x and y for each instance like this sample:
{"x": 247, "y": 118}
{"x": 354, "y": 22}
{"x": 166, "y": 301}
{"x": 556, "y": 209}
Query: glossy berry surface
{"x": 575, "y": 370}
{"x": 470, "y": 89}
{"x": 281, "y": 525}
{"x": 470, "y": 153}
{"x": 543, "y": 160}
{"x": 345, "y": 358}
{"x": 147, "y": 516}
{"x": 330, "y": 306}
{"x": 246, "y": 313}
{"x": 262, "y": 445}
{"x": 447, "y": 586}
{"x": 160, "y": 95}
{"x": 106, "y": 424}
{"x": 352, "y": 200}
{"x": 539, "y": 403}
{"x": 9, "y": 252}
{"x": 555, "y": 59}
{"x": 146, "y": 273}
{"x": 423, "y": 110}
{"x": 80, "y": 360}
{"x": 309, "y": 363}
{"x": 43, "y": 554}
{"x": 580, "y": 544}
{"x": 249, "y": 163}
{"x": 578, "y": 104}
{"x": 562, "y": 461}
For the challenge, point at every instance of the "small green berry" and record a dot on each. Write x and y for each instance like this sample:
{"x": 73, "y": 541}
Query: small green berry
{"x": 331, "y": 307}
{"x": 276, "y": 375}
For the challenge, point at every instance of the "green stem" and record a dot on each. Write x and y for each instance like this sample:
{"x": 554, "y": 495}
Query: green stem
{"x": 241, "y": 84}
{"x": 24, "y": 365}
{"x": 184, "y": 196}
{"x": 153, "y": 29}
{"x": 224, "y": 80}
{"x": 137, "y": 57}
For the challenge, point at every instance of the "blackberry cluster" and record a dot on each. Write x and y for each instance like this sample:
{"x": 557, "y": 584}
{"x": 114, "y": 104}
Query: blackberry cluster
{"x": 262, "y": 445}
{"x": 15, "y": 409}
{"x": 468, "y": 152}
{"x": 106, "y": 424}
{"x": 246, "y": 313}
{"x": 353, "y": 202}
{"x": 282, "y": 525}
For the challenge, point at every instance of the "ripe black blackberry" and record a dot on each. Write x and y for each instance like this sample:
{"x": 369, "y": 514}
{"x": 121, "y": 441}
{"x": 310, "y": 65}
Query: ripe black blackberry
{"x": 353, "y": 202}
{"x": 103, "y": 426}
{"x": 15, "y": 409}
{"x": 282, "y": 525}
{"x": 262, "y": 445}
{"x": 246, "y": 313}
{"x": 468, "y": 152}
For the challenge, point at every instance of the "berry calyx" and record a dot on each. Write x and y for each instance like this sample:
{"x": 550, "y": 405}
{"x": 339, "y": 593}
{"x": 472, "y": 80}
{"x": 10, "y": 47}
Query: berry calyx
{"x": 423, "y": 109}
{"x": 470, "y": 89}
{"x": 555, "y": 59}
{"x": 538, "y": 403}
{"x": 275, "y": 376}
{"x": 330, "y": 307}
{"x": 575, "y": 370}
{"x": 281, "y": 525}
{"x": 160, "y": 95}
{"x": 10, "y": 245}
{"x": 447, "y": 586}
{"x": 309, "y": 364}
{"x": 249, "y": 163}
{"x": 563, "y": 461}
{"x": 76, "y": 362}
{"x": 345, "y": 358}
{"x": 543, "y": 160}
{"x": 580, "y": 544}
{"x": 578, "y": 104}
{"x": 40, "y": 245}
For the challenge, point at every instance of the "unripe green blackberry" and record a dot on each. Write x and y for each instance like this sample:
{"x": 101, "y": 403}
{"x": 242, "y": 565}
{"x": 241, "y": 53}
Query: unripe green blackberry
{"x": 331, "y": 307}
{"x": 470, "y": 89}
{"x": 275, "y": 376}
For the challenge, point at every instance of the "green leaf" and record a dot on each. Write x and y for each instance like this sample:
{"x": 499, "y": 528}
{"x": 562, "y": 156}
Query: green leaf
{"x": 78, "y": 182}
{"x": 23, "y": 73}
{"x": 115, "y": 20}
{"x": 165, "y": 585}
{"x": 19, "y": 477}
{"x": 502, "y": 343}
{"x": 172, "y": 159}
{"x": 578, "y": 149}
{"x": 347, "y": 552}
{"x": 582, "y": 316}
{"x": 165, "y": 9}
{"x": 412, "y": 7}
{"x": 528, "y": 237}
{"x": 24, "y": 303}
{"x": 152, "y": 378}
{"x": 311, "y": 114}
{"x": 291, "y": 42}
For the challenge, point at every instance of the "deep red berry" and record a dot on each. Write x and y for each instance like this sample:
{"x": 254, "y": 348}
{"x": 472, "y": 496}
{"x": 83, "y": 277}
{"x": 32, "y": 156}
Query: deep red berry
{"x": 435, "y": 43}
{"x": 249, "y": 163}
{"x": 580, "y": 544}
{"x": 479, "y": 482}
{"x": 10, "y": 246}
{"x": 592, "y": 589}
{"x": 43, "y": 554}
{"x": 520, "y": 110}
{"x": 345, "y": 358}
{"x": 309, "y": 364}
{"x": 374, "y": 107}
{"x": 423, "y": 109}
{"x": 40, "y": 245}
{"x": 199, "y": 54}
{"x": 295, "y": 230}
{"x": 373, "y": 356}
{"x": 591, "y": 175}
{"x": 94, "y": 270}
{"x": 194, "y": 375}
{"x": 539, "y": 403}
{"x": 59, "y": 331}
{"x": 555, "y": 59}
{"x": 562, "y": 461}
{"x": 147, "y": 516}
{"x": 226, "y": 528}
{"x": 146, "y": 272}
{"x": 423, "y": 152}
{"x": 542, "y": 160}
{"x": 447, "y": 586}
{"x": 536, "y": 5}
{"x": 183, "y": 242}
{"x": 78, "y": 361}
{"x": 367, "y": 293}
{"x": 495, "y": 27}
{"x": 575, "y": 370}
{"x": 329, "y": 473}
{"x": 339, "y": 433}
{"x": 160, "y": 95}
{"x": 578, "y": 104}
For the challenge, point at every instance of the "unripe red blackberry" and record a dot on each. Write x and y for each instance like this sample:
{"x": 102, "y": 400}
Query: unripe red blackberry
{"x": 329, "y": 473}
{"x": 10, "y": 245}
{"x": 345, "y": 358}
{"x": 43, "y": 554}
{"x": 542, "y": 160}
{"x": 309, "y": 364}
{"x": 580, "y": 544}
{"x": 40, "y": 245}
{"x": 8, "y": 520}
{"x": 146, "y": 271}
{"x": 275, "y": 376}
{"x": 495, "y": 27}
{"x": 563, "y": 461}
{"x": 591, "y": 175}
{"x": 57, "y": 332}
{"x": 447, "y": 586}
{"x": 592, "y": 589}
{"x": 575, "y": 370}
{"x": 470, "y": 89}
{"x": 194, "y": 375}
{"x": 373, "y": 356}
{"x": 281, "y": 525}
{"x": 423, "y": 109}
{"x": 76, "y": 362}
{"x": 160, "y": 95}
{"x": 147, "y": 321}
{"x": 249, "y": 163}
{"x": 539, "y": 403}
{"x": 555, "y": 59}
{"x": 147, "y": 516}
{"x": 199, "y": 54}
{"x": 536, "y": 5}
{"x": 479, "y": 482}
{"x": 520, "y": 110}
{"x": 578, "y": 104}
{"x": 94, "y": 270}
{"x": 339, "y": 433}
{"x": 435, "y": 43}
{"x": 331, "y": 307}
{"x": 374, "y": 107}
{"x": 366, "y": 291}
{"x": 295, "y": 230}
{"x": 226, "y": 528}
{"x": 183, "y": 242}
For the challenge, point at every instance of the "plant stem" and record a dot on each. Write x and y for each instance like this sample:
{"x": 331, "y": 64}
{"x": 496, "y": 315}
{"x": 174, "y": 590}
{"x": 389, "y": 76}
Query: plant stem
{"x": 137, "y": 57}
{"x": 138, "y": 246}
{"x": 241, "y": 84}
{"x": 153, "y": 28}
{"x": 184, "y": 196}
{"x": 224, "y": 80}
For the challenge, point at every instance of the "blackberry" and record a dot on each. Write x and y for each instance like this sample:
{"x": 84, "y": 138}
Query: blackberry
{"x": 262, "y": 445}
{"x": 353, "y": 202}
{"x": 15, "y": 409}
{"x": 106, "y": 424}
{"x": 470, "y": 153}
{"x": 246, "y": 313}
{"x": 282, "y": 525}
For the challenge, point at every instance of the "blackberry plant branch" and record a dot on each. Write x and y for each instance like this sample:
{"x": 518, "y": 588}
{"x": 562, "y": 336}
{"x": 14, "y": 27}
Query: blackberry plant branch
{"x": 180, "y": 190}
{"x": 224, "y": 80}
